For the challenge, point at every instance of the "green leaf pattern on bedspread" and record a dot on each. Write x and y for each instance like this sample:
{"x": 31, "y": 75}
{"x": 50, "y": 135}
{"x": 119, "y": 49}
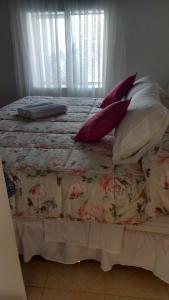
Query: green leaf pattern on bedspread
{"x": 55, "y": 177}
{"x": 156, "y": 169}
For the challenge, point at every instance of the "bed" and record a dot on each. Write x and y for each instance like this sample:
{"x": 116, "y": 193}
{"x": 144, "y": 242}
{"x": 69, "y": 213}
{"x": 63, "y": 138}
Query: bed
{"x": 72, "y": 203}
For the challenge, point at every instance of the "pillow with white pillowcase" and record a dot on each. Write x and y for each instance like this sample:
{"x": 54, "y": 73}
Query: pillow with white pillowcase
{"x": 138, "y": 85}
{"x": 142, "y": 127}
{"x": 164, "y": 96}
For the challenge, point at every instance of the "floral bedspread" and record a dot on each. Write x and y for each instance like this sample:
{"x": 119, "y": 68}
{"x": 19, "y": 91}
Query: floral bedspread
{"x": 56, "y": 177}
{"x": 155, "y": 165}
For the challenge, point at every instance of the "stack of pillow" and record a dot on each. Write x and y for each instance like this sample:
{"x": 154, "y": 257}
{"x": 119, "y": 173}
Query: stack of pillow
{"x": 134, "y": 109}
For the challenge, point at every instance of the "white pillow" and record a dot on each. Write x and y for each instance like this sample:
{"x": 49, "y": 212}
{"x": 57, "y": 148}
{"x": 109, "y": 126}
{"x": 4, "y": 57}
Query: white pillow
{"x": 141, "y": 128}
{"x": 139, "y": 85}
{"x": 164, "y": 97}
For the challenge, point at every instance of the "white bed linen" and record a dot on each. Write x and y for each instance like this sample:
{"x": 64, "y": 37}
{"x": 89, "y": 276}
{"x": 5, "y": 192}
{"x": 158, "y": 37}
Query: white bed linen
{"x": 92, "y": 235}
{"x": 158, "y": 224}
{"x": 142, "y": 127}
{"x": 140, "y": 248}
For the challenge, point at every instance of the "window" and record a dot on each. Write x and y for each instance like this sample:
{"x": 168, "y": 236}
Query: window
{"x": 65, "y": 50}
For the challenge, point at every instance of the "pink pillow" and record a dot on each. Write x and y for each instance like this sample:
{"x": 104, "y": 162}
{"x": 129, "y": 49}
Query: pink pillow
{"x": 119, "y": 91}
{"x": 102, "y": 122}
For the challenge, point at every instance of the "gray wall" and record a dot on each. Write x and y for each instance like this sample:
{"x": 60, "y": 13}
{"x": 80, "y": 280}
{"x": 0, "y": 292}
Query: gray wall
{"x": 147, "y": 38}
{"x": 8, "y": 91}
{"x": 147, "y": 43}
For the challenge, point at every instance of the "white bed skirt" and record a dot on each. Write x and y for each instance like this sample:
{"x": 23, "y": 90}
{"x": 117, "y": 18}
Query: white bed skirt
{"x": 141, "y": 249}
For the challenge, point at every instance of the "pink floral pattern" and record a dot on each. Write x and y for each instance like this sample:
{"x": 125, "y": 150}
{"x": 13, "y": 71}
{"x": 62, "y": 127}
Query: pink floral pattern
{"x": 55, "y": 177}
{"x": 156, "y": 169}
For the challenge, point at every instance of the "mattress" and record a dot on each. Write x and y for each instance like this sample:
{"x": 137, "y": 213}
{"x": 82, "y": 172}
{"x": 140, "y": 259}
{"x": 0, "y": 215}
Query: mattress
{"x": 55, "y": 177}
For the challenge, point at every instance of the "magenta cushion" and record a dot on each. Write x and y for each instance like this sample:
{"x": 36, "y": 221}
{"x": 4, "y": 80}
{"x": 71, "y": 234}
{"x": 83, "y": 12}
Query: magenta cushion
{"x": 119, "y": 91}
{"x": 102, "y": 122}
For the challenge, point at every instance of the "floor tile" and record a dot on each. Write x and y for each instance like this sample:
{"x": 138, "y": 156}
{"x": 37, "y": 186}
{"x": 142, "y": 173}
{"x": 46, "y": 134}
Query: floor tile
{"x": 34, "y": 293}
{"x": 52, "y": 294}
{"x": 84, "y": 276}
{"x": 135, "y": 282}
{"x": 35, "y": 272}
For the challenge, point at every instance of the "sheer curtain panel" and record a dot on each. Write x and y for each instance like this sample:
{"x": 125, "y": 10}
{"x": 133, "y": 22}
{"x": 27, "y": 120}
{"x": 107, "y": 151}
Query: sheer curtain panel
{"x": 67, "y": 48}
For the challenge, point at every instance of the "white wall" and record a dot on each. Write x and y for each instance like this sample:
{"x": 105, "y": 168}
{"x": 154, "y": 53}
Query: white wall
{"x": 147, "y": 38}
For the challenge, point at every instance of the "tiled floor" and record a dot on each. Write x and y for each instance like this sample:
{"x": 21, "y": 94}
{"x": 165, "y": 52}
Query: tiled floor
{"x": 46, "y": 280}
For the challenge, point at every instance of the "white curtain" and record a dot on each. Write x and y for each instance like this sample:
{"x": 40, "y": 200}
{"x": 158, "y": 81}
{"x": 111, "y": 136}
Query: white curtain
{"x": 67, "y": 48}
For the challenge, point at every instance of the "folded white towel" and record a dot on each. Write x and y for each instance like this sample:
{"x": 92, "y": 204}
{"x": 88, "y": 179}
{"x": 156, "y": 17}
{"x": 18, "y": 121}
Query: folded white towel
{"x": 41, "y": 111}
{"x": 36, "y": 105}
